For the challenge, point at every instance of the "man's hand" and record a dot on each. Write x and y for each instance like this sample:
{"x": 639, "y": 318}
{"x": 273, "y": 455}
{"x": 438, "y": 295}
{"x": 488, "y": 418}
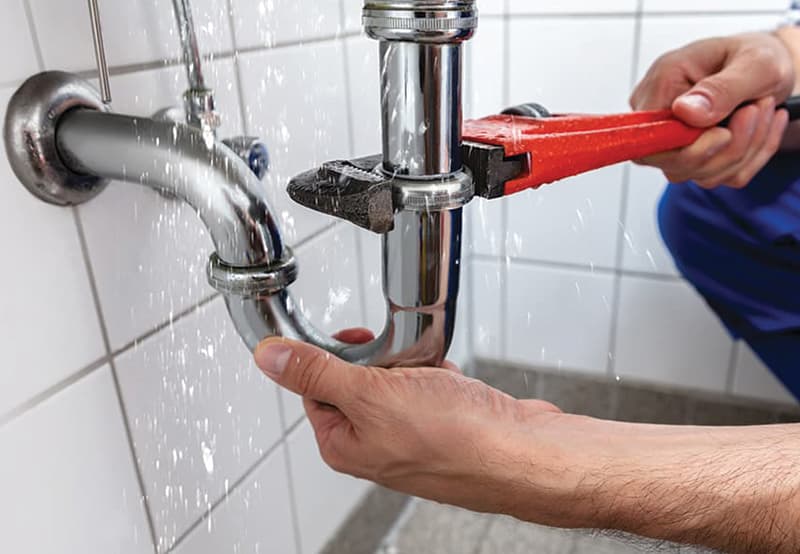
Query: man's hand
{"x": 703, "y": 83}
{"x": 436, "y": 434}
{"x": 430, "y": 432}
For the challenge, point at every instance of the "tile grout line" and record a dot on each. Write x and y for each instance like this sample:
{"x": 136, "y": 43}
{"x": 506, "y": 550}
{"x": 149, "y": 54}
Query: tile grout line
{"x": 623, "y": 215}
{"x": 221, "y": 500}
{"x": 48, "y": 393}
{"x": 736, "y": 349}
{"x": 287, "y": 468}
{"x": 580, "y": 268}
{"x": 165, "y": 325}
{"x": 505, "y": 266}
{"x": 641, "y": 12}
{"x": 93, "y": 366}
{"x": 237, "y": 71}
{"x": 37, "y": 46}
{"x": 351, "y": 145}
{"x": 287, "y": 461}
{"x": 115, "y": 377}
{"x": 125, "y": 69}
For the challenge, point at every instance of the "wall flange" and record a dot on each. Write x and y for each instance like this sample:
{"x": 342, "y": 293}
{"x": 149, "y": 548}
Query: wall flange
{"x": 32, "y": 117}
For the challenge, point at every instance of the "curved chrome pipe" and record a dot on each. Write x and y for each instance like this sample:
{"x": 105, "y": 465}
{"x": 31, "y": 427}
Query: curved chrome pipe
{"x": 422, "y": 253}
{"x": 179, "y": 160}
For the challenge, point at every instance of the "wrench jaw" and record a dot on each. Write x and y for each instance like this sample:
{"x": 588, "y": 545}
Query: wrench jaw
{"x": 354, "y": 190}
{"x": 492, "y": 169}
{"x": 360, "y": 192}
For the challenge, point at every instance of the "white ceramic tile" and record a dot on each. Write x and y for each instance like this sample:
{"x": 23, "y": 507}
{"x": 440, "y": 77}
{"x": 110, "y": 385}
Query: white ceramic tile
{"x": 516, "y": 7}
{"x": 572, "y": 221}
{"x": 149, "y": 253}
{"x": 135, "y": 32}
{"x": 582, "y": 64}
{"x": 753, "y": 379}
{"x": 296, "y": 101}
{"x": 201, "y": 414}
{"x": 485, "y": 77}
{"x": 50, "y": 321}
{"x": 487, "y": 302}
{"x": 19, "y": 58}
{"x": 492, "y": 7}
{"x": 255, "y": 518}
{"x": 365, "y": 95}
{"x": 558, "y": 318}
{"x": 374, "y": 301}
{"x": 713, "y": 5}
{"x": 327, "y": 289}
{"x": 352, "y": 14}
{"x": 324, "y": 498}
{"x": 666, "y": 334}
{"x": 486, "y": 219}
{"x": 266, "y": 23}
{"x": 68, "y": 477}
{"x": 643, "y": 248}
{"x": 663, "y": 34}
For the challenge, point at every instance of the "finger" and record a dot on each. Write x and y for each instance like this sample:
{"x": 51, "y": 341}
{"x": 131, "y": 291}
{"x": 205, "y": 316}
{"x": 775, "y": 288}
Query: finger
{"x": 680, "y": 164}
{"x": 309, "y": 371}
{"x": 355, "y": 336}
{"x": 731, "y": 172}
{"x": 771, "y": 146}
{"x": 743, "y": 126}
{"x": 713, "y": 98}
{"x": 746, "y": 126}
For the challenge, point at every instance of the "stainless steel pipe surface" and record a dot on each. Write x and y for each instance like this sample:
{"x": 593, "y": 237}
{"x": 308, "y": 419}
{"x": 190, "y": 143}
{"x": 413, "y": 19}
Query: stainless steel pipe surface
{"x": 421, "y": 256}
{"x": 178, "y": 159}
{"x": 189, "y": 46}
{"x": 421, "y": 260}
{"x": 421, "y": 108}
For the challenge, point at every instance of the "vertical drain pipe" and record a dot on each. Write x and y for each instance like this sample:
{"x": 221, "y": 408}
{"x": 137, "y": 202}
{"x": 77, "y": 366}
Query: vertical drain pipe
{"x": 421, "y": 43}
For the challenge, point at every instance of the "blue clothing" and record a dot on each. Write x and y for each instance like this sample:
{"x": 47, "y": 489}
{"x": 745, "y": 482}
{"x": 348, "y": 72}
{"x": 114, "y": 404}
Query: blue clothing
{"x": 741, "y": 251}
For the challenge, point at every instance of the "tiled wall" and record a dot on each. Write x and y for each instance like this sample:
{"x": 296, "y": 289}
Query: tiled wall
{"x": 574, "y": 275}
{"x": 132, "y": 420}
{"x": 122, "y": 377}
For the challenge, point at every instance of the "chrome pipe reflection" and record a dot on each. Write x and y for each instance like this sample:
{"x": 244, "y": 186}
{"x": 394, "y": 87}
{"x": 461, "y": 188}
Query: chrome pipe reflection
{"x": 421, "y": 108}
{"x": 421, "y": 255}
{"x": 189, "y": 46}
{"x": 179, "y": 160}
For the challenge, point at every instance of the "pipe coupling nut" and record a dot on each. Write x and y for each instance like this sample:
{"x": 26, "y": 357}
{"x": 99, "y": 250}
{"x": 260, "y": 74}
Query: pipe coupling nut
{"x": 420, "y": 21}
{"x": 431, "y": 195}
{"x": 250, "y": 282}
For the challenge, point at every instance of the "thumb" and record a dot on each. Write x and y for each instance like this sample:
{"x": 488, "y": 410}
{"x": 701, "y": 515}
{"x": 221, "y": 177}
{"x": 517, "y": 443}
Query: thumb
{"x": 307, "y": 370}
{"x": 714, "y": 98}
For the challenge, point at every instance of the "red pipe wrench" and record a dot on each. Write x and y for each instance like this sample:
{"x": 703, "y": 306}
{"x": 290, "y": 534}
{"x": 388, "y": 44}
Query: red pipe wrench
{"x": 509, "y": 153}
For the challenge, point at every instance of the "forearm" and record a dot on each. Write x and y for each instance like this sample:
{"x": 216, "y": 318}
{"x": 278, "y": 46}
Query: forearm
{"x": 737, "y": 490}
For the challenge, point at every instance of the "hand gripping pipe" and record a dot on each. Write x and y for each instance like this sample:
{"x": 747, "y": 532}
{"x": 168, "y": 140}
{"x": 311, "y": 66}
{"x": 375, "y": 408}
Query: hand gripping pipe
{"x": 63, "y": 145}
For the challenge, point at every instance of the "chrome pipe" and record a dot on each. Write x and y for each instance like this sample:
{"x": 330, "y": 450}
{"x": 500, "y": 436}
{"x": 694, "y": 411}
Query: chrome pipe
{"x": 189, "y": 46}
{"x": 178, "y": 159}
{"x": 198, "y": 101}
{"x": 421, "y": 108}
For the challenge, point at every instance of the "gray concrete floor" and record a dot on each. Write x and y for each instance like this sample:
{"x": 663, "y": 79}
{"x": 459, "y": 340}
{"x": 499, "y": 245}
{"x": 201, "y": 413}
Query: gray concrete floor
{"x": 431, "y": 528}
